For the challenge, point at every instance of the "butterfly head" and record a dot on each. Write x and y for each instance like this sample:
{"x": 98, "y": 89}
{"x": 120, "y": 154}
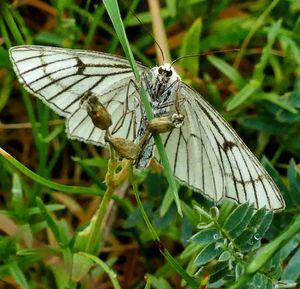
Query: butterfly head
{"x": 166, "y": 73}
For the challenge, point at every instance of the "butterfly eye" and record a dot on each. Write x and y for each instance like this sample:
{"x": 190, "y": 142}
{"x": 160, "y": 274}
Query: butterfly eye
{"x": 160, "y": 70}
{"x": 169, "y": 73}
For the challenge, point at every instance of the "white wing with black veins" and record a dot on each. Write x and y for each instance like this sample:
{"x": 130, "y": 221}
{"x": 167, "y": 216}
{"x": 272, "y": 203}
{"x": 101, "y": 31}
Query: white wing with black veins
{"x": 62, "y": 77}
{"x": 208, "y": 155}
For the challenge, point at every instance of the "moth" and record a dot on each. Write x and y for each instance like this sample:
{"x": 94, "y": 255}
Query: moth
{"x": 204, "y": 152}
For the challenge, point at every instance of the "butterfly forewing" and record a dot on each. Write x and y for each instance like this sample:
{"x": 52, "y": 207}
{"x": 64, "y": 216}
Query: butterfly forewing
{"x": 62, "y": 77}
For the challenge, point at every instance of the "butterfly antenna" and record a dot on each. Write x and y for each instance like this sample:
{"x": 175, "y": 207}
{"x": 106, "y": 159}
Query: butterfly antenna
{"x": 149, "y": 33}
{"x": 205, "y": 53}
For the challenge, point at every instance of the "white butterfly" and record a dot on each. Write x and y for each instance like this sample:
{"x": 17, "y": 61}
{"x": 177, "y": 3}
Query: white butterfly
{"x": 205, "y": 153}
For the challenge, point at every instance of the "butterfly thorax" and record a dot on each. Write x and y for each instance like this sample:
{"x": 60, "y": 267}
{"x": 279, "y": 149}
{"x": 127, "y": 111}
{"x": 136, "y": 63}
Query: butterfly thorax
{"x": 164, "y": 76}
{"x": 163, "y": 85}
{"x": 161, "y": 88}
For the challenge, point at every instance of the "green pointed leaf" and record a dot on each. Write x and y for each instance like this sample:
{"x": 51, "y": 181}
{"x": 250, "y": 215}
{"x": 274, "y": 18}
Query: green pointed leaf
{"x": 242, "y": 95}
{"x": 244, "y": 238}
{"x": 258, "y": 74}
{"x": 207, "y": 254}
{"x": 265, "y": 224}
{"x": 191, "y": 46}
{"x": 228, "y": 70}
{"x": 236, "y": 217}
{"x": 244, "y": 222}
{"x": 80, "y": 267}
{"x": 111, "y": 274}
{"x": 18, "y": 275}
{"x": 206, "y": 236}
{"x": 48, "y": 218}
{"x": 225, "y": 256}
{"x": 159, "y": 283}
{"x": 294, "y": 182}
{"x": 258, "y": 217}
{"x": 291, "y": 271}
{"x": 17, "y": 196}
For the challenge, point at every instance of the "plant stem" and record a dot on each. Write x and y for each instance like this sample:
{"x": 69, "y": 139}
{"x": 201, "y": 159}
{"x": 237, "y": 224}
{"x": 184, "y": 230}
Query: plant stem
{"x": 96, "y": 222}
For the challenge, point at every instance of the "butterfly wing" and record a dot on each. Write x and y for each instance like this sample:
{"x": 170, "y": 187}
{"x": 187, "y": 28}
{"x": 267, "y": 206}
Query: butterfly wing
{"x": 61, "y": 77}
{"x": 208, "y": 155}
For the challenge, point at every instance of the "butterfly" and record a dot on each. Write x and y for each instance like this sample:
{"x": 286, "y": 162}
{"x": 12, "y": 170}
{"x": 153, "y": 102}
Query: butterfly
{"x": 204, "y": 152}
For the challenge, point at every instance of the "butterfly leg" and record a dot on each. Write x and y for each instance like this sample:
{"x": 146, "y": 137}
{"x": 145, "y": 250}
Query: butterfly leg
{"x": 126, "y": 110}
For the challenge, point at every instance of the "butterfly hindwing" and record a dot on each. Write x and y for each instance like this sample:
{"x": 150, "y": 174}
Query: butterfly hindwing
{"x": 215, "y": 153}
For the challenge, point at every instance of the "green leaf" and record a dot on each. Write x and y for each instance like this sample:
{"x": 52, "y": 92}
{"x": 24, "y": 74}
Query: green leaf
{"x": 111, "y": 274}
{"x": 291, "y": 271}
{"x": 225, "y": 210}
{"x": 243, "y": 223}
{"x": 265, "y": 224}
{"x": 219, "y": 271}
{"x": 48, "y": 218}
{"x": 4, "y": 59}
{"x": 276, "y": 99}
{"x": 265, "y": 253}
{"x": 228, "y": 70}
{"x": 244, "y": 238}
{"x": 159, "y": 283}
{"x": 191, "y": 46}
{"x": 190, "y": 250}
{"x": 294, "y": 182}
{"x": 260, "y": 281}
{"x": 263, "y": 124}
{"x": 258, "y": 74}
{"x": 80, "y": 266}
{"x": 166, "y": 203}
{"x": 18, "y": 275}
{"x": 182, "y": 273}
{"x": 242, "y": 95}
{"x": 60, "y": 277}
{"x": 225, "y": 256}
{"x": 17, "y": 196}
{"x": 255, "y": 223}
{"x": 275, "y": 175}
{"x": 207, "y": 254}
{"x": 46, "y": 182}
{"x": 258, "y": 218}
{"x": 236, "y": 217}
{"x": 135, "y": 216}
{"x": 206, "y": 236}
{"x": 288, "y": 42}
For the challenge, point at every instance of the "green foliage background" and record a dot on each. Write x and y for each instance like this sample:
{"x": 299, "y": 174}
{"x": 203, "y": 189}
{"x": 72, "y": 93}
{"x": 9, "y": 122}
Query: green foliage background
{"x": 50, "y": 186}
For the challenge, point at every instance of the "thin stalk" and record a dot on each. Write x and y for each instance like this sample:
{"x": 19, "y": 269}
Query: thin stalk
{"x": 162, "y": 51}
{"x": 252, "y": 31}
{"x": 95, "y": 234}
{"x": 45, "y": 182}
{"x": 142, "y": 210}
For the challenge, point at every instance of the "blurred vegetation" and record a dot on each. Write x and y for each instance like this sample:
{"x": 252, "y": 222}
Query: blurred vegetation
{"x": 51, "y": 187}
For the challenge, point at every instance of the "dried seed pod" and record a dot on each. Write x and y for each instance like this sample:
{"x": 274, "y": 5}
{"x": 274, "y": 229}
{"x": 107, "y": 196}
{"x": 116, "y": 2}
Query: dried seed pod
{"x": 160, "y": 124}
{"x": 124, "y": 148}
{"x": 97, "y": 112}
{"x": 165, "y": 123}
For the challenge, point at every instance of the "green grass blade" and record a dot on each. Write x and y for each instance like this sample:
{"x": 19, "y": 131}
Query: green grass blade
{"x": 46, "y": 182}
{"x": 114, "y": 13}
{"x": 111, "y": 274}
